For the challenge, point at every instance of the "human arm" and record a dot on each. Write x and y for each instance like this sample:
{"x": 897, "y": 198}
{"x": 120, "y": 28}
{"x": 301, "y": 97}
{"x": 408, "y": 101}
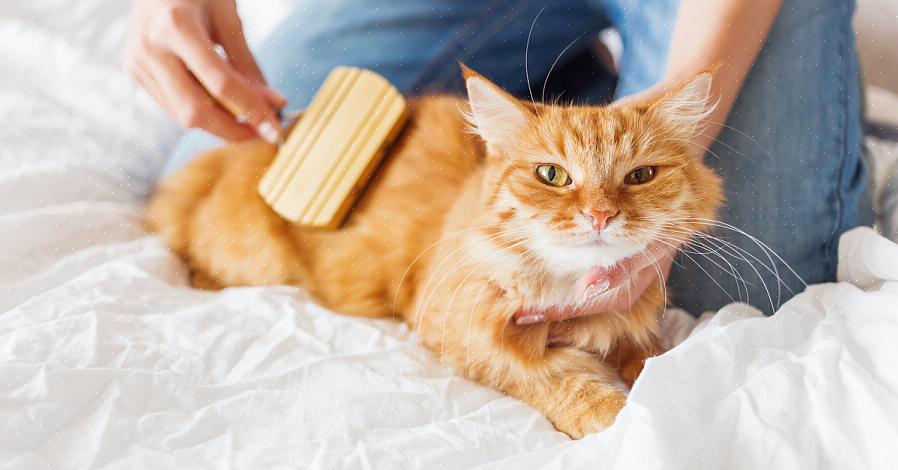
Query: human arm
{"x": 723, "y": 35}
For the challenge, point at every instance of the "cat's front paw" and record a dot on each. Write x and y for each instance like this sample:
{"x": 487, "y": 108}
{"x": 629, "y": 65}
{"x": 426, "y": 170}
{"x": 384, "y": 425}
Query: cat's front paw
{"x": 595, "y": 413}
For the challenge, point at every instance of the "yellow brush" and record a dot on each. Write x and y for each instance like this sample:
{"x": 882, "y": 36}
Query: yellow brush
{"x": 333, "y": 150}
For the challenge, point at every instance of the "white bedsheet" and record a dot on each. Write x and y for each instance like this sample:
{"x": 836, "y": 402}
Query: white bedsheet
{"x": 107, "y": 360}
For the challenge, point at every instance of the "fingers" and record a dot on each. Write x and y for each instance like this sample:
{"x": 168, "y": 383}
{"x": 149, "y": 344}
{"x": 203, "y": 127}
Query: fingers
{"x": 623, "y": 297}
{"x": 189, "y": 40}
{"x": 601, "y": 280}
{"x": 227, "y": 30}
{"x": 191, "y": 106}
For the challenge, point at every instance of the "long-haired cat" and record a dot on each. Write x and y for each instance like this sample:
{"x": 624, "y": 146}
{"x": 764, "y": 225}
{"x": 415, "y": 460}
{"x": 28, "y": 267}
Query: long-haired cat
{"x": 461, "y": 230}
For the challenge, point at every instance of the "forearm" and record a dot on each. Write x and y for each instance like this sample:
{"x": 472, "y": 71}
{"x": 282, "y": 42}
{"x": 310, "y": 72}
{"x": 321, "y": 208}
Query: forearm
{"x": 727, "y": 34}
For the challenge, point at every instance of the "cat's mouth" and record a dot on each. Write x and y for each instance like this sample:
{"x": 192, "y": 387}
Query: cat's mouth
{"x": 593, "y": 240}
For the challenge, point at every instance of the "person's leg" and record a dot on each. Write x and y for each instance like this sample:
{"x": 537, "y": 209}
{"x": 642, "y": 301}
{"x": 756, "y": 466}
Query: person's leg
{"x": 790, "y": 156}
{"x": 416, "y": 44}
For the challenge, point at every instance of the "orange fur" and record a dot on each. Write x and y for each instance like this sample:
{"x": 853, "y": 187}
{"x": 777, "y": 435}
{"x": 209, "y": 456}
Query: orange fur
{"x": 456, "y": 235}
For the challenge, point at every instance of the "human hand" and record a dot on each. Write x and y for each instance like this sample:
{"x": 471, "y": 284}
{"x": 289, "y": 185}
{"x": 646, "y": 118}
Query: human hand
{"x": 171, "y": 52}
{"x": 614, "y": 288}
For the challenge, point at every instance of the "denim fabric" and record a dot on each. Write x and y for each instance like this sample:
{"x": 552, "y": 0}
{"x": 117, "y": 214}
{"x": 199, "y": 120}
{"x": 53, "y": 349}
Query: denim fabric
{"x": 790, "y": 157}
{"x": 790, "y": 154}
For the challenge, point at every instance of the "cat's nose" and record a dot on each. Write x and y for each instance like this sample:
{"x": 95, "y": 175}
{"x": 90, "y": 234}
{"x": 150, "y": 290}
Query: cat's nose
{"x": 600, "y": 217}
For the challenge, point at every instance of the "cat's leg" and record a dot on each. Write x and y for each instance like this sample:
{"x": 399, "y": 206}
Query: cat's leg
{"x": 630, "y": 360}
{"x": 612, "y": 339}
{"x": 201, "y": 280}
{"x": 571, "y": 387}
{"x": 624, "y": 339}
{"x": 476, "y": 335}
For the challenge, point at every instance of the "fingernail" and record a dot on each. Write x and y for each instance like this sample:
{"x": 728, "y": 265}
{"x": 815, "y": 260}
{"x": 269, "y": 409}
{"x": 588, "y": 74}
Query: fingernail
{"x": 268, "y": 132}
{"x": 596, "y": 288}
{"x": 531, "y": 319}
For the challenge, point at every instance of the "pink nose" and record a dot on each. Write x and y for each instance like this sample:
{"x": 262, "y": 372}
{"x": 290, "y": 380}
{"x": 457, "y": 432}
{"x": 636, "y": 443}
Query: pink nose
{"x": 600, "y": 218}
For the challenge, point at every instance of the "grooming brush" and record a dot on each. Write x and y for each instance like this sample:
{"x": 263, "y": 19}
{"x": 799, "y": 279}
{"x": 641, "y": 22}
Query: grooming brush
{"x": 334, "y": 149}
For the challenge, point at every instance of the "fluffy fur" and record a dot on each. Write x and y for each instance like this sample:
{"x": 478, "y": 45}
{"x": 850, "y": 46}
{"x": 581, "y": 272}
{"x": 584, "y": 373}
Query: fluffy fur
{"x": 456, "y": 234}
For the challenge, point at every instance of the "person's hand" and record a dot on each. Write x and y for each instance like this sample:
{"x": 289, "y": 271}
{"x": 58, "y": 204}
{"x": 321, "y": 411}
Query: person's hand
{"x": 171, "y": 51}
{"x": 614, "y": 288}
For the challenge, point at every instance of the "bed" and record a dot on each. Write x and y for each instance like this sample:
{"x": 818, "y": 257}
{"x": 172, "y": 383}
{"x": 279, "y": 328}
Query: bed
{"x": 109, "y": 360}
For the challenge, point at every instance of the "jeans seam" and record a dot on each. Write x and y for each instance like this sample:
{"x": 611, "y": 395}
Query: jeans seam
{"x": 831, "y": 255}
{"x": 430, "y": 72}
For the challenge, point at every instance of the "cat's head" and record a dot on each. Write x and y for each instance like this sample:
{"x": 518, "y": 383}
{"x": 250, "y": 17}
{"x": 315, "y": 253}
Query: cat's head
{"x": 589, "y": 186}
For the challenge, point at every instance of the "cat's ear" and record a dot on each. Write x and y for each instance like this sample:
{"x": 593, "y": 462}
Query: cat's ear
{"x": 684, "y": 107}
{"x": 496, "y": 116}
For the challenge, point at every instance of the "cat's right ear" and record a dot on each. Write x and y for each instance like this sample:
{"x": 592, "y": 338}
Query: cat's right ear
{"x": 496, "y": 116}
{"x": 686, "y": 106}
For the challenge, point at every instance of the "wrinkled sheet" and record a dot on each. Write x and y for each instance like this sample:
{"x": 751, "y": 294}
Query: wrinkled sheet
{"x": 108, "y": 359}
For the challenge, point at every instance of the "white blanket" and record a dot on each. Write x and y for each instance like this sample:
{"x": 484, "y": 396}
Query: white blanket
{"x": 108, "y": 360}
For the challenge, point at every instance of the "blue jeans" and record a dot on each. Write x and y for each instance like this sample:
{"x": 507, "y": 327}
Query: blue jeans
{"x": 790, "y": 154}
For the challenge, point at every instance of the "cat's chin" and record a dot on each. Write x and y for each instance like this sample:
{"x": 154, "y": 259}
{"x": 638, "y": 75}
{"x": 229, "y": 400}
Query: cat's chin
{"x": 566, "y": 259}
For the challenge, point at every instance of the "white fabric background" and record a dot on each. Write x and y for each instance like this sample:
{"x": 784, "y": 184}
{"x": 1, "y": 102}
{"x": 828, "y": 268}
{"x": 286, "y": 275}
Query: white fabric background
{"x": 108, "y": 360}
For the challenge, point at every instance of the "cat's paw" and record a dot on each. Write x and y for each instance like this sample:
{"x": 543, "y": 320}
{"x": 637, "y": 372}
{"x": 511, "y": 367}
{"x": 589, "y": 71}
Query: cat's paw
{"x": 631, "y": 370}
{"x": 596, "y": 415}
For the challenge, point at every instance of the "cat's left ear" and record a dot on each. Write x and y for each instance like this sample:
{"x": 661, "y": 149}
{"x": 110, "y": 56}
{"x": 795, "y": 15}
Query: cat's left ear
{"x": 497, "y": 116}
{"x": 684, "y": 107}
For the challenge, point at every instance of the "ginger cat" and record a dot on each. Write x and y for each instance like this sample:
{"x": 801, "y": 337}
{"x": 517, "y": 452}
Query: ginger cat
{"x": 460, "y": 230}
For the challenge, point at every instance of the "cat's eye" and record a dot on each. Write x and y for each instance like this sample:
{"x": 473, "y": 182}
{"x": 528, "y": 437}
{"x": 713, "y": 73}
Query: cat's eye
{"x": 553, "y": 175}
{"x": 641, "y": 175}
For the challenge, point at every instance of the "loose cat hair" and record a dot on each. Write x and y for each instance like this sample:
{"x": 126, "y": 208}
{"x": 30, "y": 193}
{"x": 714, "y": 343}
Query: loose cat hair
{"x": 483, "y": 209}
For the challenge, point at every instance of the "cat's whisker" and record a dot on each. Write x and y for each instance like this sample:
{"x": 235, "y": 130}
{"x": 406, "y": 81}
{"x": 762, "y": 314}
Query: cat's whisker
{"x": 427, "y": 288}
{"x": 740, "y": 133}
{"x": 689, "y": 142}
{"x": 731, "y": 270}
{"x": 774, "y": 271}
{"x": 509, "y": 264}
{"x": 688, "y": 239}
{"x": 527, "y": 53}
{"x": 421, "y": 308}
{"x": 714, "y": 139}
{"x": 534, "y": 260}
{"x": 448, "y": 307}
{"x": 546, "y": 81}
{"x": 661, "y": 280}
{"x": 763, "y": 246}
{"x": 456, "y": 250}
{"x": 741, "y": 253}
{"x": 425, "y": 250}
{"x": 738, "y": 275}
{"x": 700, "y": 267}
